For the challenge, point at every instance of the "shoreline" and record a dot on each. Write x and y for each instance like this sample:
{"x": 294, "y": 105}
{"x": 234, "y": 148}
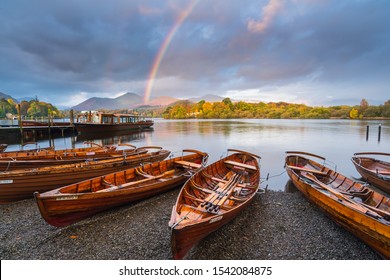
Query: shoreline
{"x": 276, "y": 226}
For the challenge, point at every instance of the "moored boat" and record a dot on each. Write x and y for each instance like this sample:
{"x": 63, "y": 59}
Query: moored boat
{"x": 372, "y": 169}
{"x": 69, "y": 204}
{"x": 21, "y": 184}
{"x": 99, "y": 122}
{"x": 212, "y": 197}
{"x": 47, "y": 152}
{"x": 357, "y": 208}
{"x": 25, "y": 160}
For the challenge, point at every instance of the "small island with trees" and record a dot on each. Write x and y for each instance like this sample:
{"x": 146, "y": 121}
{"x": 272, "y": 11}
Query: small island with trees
{"x": 226, "y": 109}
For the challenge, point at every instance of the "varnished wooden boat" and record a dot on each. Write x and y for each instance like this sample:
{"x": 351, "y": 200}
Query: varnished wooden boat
{"x": 51, "y": 153}
{"x": 213, "y": 197}
{"x": 20, "y": 184}
{"x": 69, "y": 204}
{"x": 359, "y": 209}
{"x": 373, "y": 170}
{"x": 37, "y": 159}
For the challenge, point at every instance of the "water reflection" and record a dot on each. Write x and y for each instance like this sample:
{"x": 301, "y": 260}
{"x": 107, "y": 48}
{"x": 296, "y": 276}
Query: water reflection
{"x": 113, "y": 138}
{"x": 290, "y": 187}
{"x": 337, "y": 140}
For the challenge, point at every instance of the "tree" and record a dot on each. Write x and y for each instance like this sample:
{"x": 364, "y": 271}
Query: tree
{"x": 364, "y": 104}
{"x": 354, "y": 113}
{"x": 24, "y": 105}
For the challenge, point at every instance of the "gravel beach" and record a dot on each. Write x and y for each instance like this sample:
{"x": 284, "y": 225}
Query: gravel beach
{"x": 276, "y": 226}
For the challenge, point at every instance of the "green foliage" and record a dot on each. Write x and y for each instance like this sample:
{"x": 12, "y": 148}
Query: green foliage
{"x": 6, "y": 107}
{"x": 280, "y": 110}
{"x": 220, "y": 110}
{"x": 32, "y": 109}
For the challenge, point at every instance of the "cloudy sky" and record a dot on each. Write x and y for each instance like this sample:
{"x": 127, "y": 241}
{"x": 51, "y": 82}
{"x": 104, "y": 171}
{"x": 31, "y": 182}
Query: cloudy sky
{"x": 317, "y": 52}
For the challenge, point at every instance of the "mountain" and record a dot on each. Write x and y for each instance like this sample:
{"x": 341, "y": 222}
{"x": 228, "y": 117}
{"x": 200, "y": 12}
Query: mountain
{"x": 6, "y": 97}
{"x": 207, "y": 98}
{"x": 162, "y": 101}
{"x": 126, "y": 101}
{"x": 95, "y": 103}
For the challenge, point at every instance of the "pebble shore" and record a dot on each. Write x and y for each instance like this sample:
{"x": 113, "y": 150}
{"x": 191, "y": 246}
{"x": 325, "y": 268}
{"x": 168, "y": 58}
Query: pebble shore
{"x": 276, "y": 226}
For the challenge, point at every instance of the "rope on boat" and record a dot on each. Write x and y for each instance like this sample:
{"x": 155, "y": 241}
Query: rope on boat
{"x": 179, "y": 221}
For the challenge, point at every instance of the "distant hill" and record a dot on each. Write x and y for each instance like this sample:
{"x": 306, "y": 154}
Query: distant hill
{"x": 127, "y": 101}
{"x": 208, "y": 98}
{"x": 162, "y": 101}
{"x": 6, "y": 97}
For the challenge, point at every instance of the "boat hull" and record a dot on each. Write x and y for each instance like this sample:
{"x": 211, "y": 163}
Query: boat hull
{"x": 212, "y": 198}
{"x": 97, "y": 128}
{"x": 69, "y": 204}
{"x": 371, "y": 230}
{"x": 21, "y": 184}
{"x": 382, "y": 182}
{"x": 76, "y": 207}
{"x": 186, "y": 237}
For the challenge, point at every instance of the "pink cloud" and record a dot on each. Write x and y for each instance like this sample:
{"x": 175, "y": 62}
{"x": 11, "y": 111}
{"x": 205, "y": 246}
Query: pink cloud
{"x": 269, "y": 12}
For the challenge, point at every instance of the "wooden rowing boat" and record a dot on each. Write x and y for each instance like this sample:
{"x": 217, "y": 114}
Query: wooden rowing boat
{"x": 50, "y": 153}
{"x": 359, "y": 209}
{"x": 37, "y": 159}
{"x": 373, "y": 170}
{"x": 69, "y": 204}
{"x": 20, "y": 184}
{"x": 213, "y": 197}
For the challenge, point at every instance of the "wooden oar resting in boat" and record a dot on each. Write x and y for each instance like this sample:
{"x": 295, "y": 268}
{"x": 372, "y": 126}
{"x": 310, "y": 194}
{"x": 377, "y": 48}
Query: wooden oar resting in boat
{"x": 359, "y": 209}
{"x": 20, "y": 184}
{"x": 69, "y": 204}
{"x": 372, "y": 169}
{"x": 213, "y": 197}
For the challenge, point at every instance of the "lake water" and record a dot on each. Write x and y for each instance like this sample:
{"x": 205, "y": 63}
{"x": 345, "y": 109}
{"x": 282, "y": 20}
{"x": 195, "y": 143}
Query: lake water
{"x": 337, "y": 140}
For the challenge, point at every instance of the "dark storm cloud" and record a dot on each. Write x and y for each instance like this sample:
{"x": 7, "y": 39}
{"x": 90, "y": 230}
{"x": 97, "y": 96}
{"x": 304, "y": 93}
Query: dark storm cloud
{"x": 305, "y": 49}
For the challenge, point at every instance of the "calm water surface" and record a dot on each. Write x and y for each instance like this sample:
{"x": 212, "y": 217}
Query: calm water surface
{"x": 337, "y": 140}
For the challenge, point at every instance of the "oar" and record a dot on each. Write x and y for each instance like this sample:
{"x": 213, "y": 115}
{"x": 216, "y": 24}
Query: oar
{"x": 352, "y": 203}
{"x": 221, "y": 187}
{"x": 220, "y": 199}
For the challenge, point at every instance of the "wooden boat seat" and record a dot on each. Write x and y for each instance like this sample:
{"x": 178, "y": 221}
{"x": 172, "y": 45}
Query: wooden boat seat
{"x": 226, "y": 181}
{"x": 191, "y": 211}
{"x": 363, "y": 195}
{"x": 188, "y": 164}
{"x": 239, "y": 164}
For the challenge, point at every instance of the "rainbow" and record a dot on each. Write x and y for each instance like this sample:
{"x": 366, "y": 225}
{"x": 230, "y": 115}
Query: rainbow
{"x": 163, "y": 48}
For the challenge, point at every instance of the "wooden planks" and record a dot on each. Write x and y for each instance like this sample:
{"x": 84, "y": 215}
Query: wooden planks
{"x": 239, "y": 164}
{"x": 188, "y": 164}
